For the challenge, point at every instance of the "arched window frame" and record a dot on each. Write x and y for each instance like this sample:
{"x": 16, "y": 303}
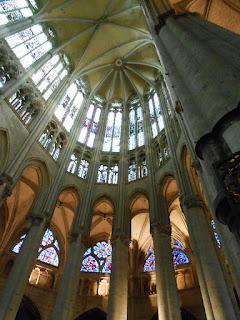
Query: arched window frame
{"x": 67, "y": 110}
{"x": 49, "y": 249}
{"x": 98, "y": 258}
{"x": 90, "y": 125}
{"x": 50, "y": 74}
{"x": 112, "y": 136}
{"x": 156, "y": 118}
{"x": 30, "y": 44}
{"x": 108, "y": 173}
{"x": 136, "y": 136}
{"x": 78, "y": 165}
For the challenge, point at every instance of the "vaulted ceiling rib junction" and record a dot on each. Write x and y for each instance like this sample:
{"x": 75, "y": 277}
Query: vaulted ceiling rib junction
{"x": 108, "y": 43}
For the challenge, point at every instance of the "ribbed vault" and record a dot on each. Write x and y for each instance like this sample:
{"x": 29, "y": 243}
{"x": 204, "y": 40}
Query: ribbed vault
{"x": 108, "y": 43}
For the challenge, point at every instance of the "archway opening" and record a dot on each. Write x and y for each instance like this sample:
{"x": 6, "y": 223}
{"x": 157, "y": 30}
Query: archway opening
{"x": 93, "y": 314}
{"x": 27, "y": 310}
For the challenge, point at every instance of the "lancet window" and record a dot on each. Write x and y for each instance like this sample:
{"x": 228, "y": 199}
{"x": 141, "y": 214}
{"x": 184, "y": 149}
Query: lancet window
{"x": 90, "y": 126}
{"x": 178, "y": 255}
{"x": 137, "y": 169}
{"x": 78, "y": 165}
{"x": 69, "y": 106}
{"x": 50, "y": 75}
{"x": 136, "y": 127}
{"x": 48, "y": 250}
{"x": 113, "y": 131}
{"x": 98, "y": 258}
{"x": 30, "y": 44}
{"x": 108, "y": 173}
{"x": 156, "y": 117}
{"x": 13, "y": 10}
{"x": 52, "y": 141}
{"x": 25, "y": 103}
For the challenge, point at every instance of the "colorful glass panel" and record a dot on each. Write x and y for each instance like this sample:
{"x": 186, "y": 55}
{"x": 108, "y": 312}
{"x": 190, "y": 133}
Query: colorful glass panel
{"x": 179, "y": 257}
{"x": 90, "y": 264}
{"x": 149, "y": 264}
{"x": 48, "y": 250}
{"x": 98, "y": 258}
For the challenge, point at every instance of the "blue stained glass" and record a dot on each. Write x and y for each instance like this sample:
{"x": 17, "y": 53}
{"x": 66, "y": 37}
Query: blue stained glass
{"x": 178, "y": 244}
{"x": 49, "y": 256}
{"x": 179, "y": 257}
{"x": 48, "y": 250}
{"x": 102, "y": 249}
{"x": 149, "y": 264}
{"x": 98, "y": 258}
{"x": 107, "y": 267}
{"x": 17, "y": 247}
{"x": 90, "y": 264}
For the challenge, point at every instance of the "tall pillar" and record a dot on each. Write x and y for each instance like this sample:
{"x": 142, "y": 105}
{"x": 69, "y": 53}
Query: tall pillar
{"x": 167, "y": 294}
{"x": 211, "y": 277}
{"x": 15, "y": 285}
{"x": 70, "y": 280}
{"x": 118, "y": 293}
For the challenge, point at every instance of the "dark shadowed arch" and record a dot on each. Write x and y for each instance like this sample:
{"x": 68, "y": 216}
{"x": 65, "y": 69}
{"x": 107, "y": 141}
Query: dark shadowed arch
{"x": 93, "y": 314}
{"x": 27, "y": 310}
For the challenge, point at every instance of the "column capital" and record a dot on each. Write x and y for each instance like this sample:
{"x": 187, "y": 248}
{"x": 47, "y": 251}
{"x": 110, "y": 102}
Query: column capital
{"x": 164, "y": 229}
{"x": 191, "y": 201}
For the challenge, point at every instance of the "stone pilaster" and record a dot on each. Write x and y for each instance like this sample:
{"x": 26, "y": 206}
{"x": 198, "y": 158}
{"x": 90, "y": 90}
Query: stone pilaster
{"x": 118, "y": 295}
{"x": 167, "y": 294}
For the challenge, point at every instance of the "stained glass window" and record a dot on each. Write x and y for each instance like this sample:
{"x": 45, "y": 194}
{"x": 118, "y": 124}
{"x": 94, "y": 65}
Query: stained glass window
{"x": 68, "y": 108}
{"x": 136, "y": 127}
{"x": 78, "y": 166}
{"x": 98, "y": 258}
{"x": 113, "y": 131}
{"x": 48, "y": 250}
{"x": 156, "y": 117}
{"x": 216, "y": 235}
{"x": 29, "y": 45}
{"x": 137, "y": 169}
{"x": 178, "y": 255}
{"x": 13, "y": 10}
{"x": 90, "y": 126}
{"x": 49, "y": 76}
{"x": 107, "y": 174}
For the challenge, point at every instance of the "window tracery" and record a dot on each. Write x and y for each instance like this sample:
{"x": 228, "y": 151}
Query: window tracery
{"x": 156, "y": 118}
{"x": 136, "y": 127}
{"x": 50, "y": 75}
{"x": 178, "y": 255}
{"x": 13, "y": 10}
{"x": 69, "y": 106}
{"x": 98, "y": 258}
{"x": 108, "y": 173}
{"x": 25, "y": 104}
{"x": 113, "y": 131}
{"x": 48, "y": 250}
{"x": 162, "y": 150}
{"x": 52, "y": 141}
{"x": 78, "y": 165}
{"x": 137, "y": 169}
{"x": 91, "y": 125}
{"x": 29, "y": 44}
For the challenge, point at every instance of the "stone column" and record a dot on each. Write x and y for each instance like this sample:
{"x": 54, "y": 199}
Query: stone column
{"x": 70, "y": 279}
{"x": 118, "y": 294}
{"x": 211, "y": 278}
{"x": 15, "y": 285}
{"x": 167, "y": 294}
{"x": 5, "y": 187}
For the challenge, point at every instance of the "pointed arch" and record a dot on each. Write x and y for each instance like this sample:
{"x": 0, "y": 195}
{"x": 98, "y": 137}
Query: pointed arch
{"x": 93, "y": 314}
